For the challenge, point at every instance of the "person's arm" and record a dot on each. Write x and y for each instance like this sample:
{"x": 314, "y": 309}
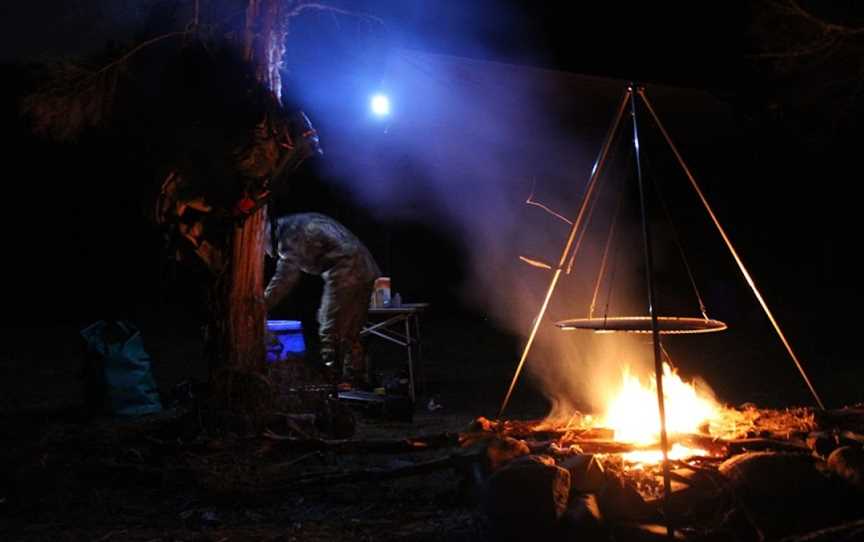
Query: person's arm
{"x": 283, "y": 281}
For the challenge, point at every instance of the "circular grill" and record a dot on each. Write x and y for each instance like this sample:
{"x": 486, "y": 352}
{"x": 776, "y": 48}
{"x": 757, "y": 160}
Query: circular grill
{"x": 668, "y": 325}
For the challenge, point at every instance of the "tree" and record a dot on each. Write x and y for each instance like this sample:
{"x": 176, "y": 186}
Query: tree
{"x": 205, "y": 102}
{"x": 806, "y": 62}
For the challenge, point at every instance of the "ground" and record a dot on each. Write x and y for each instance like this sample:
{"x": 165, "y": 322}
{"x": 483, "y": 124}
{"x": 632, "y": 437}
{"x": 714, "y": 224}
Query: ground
{"x": 67, "y": 476}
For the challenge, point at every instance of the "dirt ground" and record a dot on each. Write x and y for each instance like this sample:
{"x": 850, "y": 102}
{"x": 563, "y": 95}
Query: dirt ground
{"x": 67, "y": 476}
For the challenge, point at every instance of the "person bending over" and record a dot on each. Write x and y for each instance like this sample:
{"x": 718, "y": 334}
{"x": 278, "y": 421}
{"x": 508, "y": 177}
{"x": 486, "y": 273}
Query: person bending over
{"x": 318, "y": 245}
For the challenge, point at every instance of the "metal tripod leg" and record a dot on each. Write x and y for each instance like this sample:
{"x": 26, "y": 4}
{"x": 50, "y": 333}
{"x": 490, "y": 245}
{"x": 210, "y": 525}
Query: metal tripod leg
{"x": 652, "y": 310}
{"x": 731, "y": 248}
{"x": 592, "y": 183}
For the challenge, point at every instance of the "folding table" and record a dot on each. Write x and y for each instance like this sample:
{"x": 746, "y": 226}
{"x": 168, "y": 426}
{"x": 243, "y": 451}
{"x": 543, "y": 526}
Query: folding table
{"x": 401, "y": 326}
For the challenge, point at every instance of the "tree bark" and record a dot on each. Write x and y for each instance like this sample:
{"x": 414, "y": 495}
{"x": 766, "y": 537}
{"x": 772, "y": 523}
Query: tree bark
{"x": 236, "y": 331}
{"x": 245, "y": 315}
{"x": 238, "y": 313}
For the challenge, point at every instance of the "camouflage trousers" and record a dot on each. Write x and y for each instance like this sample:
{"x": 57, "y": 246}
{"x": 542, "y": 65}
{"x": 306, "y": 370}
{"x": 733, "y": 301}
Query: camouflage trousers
{"x": 344, "y": 309}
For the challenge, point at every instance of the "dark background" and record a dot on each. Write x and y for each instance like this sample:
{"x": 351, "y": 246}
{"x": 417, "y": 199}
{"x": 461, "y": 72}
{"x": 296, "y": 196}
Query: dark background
{"x": 76, "y": 248}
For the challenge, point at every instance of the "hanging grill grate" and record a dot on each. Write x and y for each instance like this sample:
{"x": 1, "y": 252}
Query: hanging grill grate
{"x": 667, "y": 325}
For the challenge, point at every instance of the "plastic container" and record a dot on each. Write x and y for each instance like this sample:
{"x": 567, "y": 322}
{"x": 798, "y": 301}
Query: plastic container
{"x": 381, "y": 293}
{"x": 288, "y": 335}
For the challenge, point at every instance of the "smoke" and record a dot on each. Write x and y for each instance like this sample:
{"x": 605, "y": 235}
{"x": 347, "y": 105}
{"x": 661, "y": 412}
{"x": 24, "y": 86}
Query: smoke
{"x": 465, "y": 145}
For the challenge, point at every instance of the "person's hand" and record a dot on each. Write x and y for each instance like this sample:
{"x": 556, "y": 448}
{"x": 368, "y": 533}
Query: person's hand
{"x": 270, "y": 339}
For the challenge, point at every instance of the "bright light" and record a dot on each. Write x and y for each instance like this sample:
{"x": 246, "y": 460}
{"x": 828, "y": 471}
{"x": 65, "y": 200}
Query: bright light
{"x": 380, "y": 105}
{"x": 632, "y": 410}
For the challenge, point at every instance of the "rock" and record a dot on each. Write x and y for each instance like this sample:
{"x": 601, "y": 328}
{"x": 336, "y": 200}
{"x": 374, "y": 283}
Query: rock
{"x": 525, "y": 500}
{"x": 619, "y": 500}
{"x": 847, "y": 462}
{"x": 586, "y": 473}
{"x": 773, "y": 474}
{"x": 784, "y": 493}
{"x": 534, "y": 459}
{"x": 335, "y": 419}
{"x": 500, "y": 451}
{"x": 582, "y": 520}
{"x": 821, "y": 443}
{"x": 694, "y": 494}
{"x": 736, "y": 520}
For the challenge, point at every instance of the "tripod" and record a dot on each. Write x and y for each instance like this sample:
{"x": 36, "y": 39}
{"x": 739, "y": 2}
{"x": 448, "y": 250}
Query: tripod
{"x": 633, "y": 96}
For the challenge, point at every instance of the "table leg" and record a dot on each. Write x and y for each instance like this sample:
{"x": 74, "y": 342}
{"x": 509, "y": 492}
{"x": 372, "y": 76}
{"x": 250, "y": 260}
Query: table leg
{"x": 418, "y": 360}
{"x": 408, "y": 343}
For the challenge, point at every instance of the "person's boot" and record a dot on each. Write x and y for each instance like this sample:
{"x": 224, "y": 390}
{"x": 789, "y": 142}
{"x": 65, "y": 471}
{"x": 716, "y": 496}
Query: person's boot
{"x": 329, "y": 366}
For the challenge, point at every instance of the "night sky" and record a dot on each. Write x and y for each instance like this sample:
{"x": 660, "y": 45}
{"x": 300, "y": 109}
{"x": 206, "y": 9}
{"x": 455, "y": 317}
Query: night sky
{"x": 74, "y": 250}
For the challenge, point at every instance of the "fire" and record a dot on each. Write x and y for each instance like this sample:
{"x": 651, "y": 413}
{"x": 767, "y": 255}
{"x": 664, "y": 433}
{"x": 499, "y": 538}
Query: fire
{"x": 633, "y": 415}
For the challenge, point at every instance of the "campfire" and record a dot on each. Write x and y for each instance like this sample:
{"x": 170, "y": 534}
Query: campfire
{"x": 632, "y": 417}
{"x": 740, "y": 471}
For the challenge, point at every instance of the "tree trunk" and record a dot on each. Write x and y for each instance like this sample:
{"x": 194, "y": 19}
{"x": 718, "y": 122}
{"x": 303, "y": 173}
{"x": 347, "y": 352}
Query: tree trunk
{"x": 238, "y": 320}
{"x": 243, "y": 291}
{"x": 238, "y": 323}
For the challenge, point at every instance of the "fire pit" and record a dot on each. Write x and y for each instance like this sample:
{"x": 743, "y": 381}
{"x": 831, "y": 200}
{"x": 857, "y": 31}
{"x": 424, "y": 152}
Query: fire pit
{"x": 745, "y": 474}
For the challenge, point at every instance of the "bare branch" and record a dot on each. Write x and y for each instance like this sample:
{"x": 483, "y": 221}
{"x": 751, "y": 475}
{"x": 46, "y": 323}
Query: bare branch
{"x": 530, "y": 201}
{"x": 315, "y": 6}
{"x": 139, "y": 47}
{"x": 535, "y": 263}
{"x": 793, "y": 7}
{"x": 810, "y": 50}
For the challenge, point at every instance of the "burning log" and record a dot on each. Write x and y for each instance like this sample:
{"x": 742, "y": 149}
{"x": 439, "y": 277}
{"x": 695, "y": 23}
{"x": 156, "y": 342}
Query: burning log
{"x": 740, "y": 446}
{"x": 536, "y": 429}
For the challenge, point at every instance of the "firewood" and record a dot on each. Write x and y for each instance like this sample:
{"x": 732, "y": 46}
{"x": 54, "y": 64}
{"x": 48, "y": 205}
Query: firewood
{"x": 852, "y": 436}
{"x": 758, "y": 444}
{"x": 851, "y": 418}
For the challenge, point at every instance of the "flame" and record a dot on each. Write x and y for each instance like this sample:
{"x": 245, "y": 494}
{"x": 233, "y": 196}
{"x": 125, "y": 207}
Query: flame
{"x": 632, "y": 413}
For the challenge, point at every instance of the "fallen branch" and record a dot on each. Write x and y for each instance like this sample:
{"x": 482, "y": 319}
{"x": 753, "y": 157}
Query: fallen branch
{"x": 847, "y": 532}
{"x": 410, "y": 444}
{"x": 364, "y": 475}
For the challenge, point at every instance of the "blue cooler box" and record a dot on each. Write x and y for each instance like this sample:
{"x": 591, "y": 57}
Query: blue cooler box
{"x": 286, "y": 340}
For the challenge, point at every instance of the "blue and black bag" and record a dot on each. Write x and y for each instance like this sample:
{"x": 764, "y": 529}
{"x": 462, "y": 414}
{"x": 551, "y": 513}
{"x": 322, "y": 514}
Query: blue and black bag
{"x": 117, "y": 375}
